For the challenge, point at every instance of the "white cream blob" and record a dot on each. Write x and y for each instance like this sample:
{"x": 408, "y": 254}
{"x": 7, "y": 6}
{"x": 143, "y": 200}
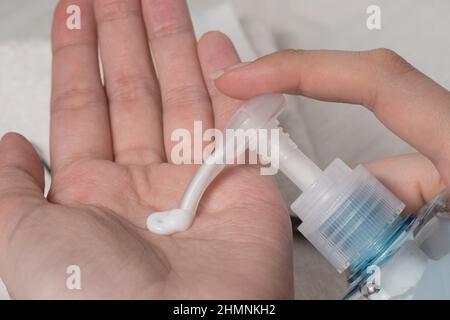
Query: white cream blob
{"x": 168, "y": 222}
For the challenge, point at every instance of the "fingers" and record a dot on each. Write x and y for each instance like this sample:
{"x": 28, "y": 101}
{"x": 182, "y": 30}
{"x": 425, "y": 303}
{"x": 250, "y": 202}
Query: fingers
{"x": 405, "y": 100}
{"x": 174, "y": 50}
{"x": 216, "y": 51}
{"x": 131, "y": 84}
{"x": 412, "y": 177}
{"x": 79, "y": 114}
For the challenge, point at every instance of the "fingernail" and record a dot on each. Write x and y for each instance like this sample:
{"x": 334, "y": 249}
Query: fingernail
{"x": 217, "y": 74}
{"x": 3, "y": 137}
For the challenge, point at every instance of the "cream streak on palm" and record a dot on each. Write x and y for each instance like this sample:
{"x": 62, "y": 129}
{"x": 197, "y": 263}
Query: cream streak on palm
{"x": 259, "y": 113}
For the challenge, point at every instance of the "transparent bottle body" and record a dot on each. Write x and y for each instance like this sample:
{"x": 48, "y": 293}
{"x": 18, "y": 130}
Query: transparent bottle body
{"x": 429, "y": 230}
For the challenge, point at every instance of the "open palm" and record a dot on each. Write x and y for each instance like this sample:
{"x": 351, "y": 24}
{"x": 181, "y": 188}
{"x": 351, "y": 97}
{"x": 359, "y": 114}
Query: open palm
{"x": 110, "y": 152}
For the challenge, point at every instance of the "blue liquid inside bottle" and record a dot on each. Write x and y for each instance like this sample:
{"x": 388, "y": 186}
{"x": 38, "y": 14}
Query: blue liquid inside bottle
{"x": 386, "y": 244}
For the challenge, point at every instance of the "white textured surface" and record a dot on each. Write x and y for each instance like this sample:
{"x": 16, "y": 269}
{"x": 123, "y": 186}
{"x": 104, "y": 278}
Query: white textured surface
{"x": 24, "y": 90}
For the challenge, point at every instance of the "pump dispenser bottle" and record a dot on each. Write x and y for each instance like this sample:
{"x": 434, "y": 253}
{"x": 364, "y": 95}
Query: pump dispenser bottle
{"x": 347, "y": 214}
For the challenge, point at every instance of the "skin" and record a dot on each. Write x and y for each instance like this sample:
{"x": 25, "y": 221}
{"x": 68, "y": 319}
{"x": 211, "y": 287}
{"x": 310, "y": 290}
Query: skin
{"x": 110, "y": 166}
{"x": 110, "y": 170}
{"x": 406, "y": 101}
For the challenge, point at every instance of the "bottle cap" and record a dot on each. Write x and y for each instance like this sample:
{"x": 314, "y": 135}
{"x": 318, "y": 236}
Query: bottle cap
{"x": 344, "y": 212}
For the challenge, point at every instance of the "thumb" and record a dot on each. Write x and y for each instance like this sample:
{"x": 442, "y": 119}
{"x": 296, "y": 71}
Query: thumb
{"x": 21, "y": 182}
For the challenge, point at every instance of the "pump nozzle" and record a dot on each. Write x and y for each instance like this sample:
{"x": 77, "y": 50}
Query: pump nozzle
{"x": 257, "y": 113}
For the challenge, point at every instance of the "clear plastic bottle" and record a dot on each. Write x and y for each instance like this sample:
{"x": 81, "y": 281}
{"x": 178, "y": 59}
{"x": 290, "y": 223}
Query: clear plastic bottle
{"x": 424, "y": 241}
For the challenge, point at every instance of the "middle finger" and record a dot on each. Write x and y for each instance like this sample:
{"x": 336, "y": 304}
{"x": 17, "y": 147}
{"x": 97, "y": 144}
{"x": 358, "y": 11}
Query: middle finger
{"x": 174, "y": 47}
{"x": 131, "y": 84}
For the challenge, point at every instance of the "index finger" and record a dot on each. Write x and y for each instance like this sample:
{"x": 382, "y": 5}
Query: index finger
{"x": 79, "y": 112}
{"x": 409, "y": 103}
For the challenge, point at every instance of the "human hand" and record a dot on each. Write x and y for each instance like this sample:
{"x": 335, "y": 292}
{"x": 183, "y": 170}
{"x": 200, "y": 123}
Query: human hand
{"x": 407, "y": 102}
{"x": 111, "y": 169}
